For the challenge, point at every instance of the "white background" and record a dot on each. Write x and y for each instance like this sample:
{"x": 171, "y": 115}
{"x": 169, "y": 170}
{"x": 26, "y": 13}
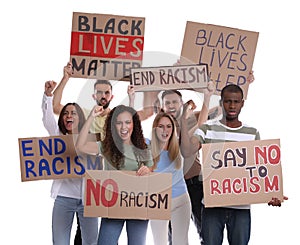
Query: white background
{"x": 35, "y": 43}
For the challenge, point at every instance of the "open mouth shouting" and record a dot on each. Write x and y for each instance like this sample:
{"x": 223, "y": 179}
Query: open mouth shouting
{"x": 69, "y": 123}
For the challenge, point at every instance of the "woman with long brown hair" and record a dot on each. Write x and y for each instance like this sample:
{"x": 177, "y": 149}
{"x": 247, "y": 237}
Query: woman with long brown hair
{"x": 123, "y": 148}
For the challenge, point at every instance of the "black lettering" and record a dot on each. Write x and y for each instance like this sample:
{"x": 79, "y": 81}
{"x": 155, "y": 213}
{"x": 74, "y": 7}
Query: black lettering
{"x": 110, "y": 25}
{"x": 191, "y": 71}
{"x": 229, "y": 156}
{"x": 152, "y": 200}
{"x": 131, "y": 199}
{"x": 83, "y": 23}
{"x": 201, "y": 37}
{"x": 227, "y": 41}
{"x": 93, "y": 65}
{"x": 244, "y": 67}
{"x": 139, "y": 204}
{"x": 79, "y": 67}
{"x": 242, "y": 154}
{"x": 94, "y": 25}
{"x": 163, "y": 201}
{"x": 120, "y": 30}
{"x": 214, "y": 156}
{"x": 123, "y": 198}
{"x": 135, "y": 27}
{"x": 220, "y": 40}
{"x": 240, "y": 44}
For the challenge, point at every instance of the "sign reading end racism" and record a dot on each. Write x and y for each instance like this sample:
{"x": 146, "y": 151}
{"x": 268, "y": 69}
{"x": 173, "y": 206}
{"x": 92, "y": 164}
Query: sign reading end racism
{"x": 240, "y": 173}
{"x": 106, "y": 46}
{"x": 229, "y": 52}
{"x": 54, "y": 157}
{"x": 169, "y": 77}
{"x": 123, "y": 194}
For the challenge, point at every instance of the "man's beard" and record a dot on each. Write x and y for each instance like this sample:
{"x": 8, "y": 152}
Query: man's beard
{"x": 104, "y": 106}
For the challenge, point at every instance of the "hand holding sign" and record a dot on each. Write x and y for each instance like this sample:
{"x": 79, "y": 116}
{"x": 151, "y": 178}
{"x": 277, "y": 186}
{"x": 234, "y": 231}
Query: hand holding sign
{"x": 250, "y": 78}
{"x": 277, "y": 202}
{"x": 68, "y": 70}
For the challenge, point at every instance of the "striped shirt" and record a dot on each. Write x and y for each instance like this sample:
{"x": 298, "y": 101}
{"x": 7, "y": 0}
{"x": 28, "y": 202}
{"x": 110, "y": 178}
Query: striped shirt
{"x": 216, "y": 132}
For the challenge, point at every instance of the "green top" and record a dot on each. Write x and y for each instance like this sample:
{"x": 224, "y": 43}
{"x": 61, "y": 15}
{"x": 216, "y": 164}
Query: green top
{"x": 131, "y": 160}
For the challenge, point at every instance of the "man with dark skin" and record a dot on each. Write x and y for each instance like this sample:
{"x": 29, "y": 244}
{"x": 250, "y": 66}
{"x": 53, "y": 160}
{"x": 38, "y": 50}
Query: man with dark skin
{"x": 237, "y": 219}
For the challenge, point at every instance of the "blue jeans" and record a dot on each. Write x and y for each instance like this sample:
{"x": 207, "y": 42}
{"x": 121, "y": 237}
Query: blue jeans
{"x": 110, "y": 231}
{"x": 237, "y": 222}
{"x": 62, "y": 220}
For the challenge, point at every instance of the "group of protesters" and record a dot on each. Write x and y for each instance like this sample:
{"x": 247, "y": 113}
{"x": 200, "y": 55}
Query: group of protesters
{"x": 177, "y": 135}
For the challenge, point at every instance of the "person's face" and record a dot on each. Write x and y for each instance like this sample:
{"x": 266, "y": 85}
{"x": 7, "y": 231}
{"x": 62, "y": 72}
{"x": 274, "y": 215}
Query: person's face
{"x": 232, "y": 104}
{"x": 103, "y": 95}
{"x": 124, "y": 126}
{"x": 172, "y": 104}
{"x": 164, "y": 129}
{"x": 71, "y": 119}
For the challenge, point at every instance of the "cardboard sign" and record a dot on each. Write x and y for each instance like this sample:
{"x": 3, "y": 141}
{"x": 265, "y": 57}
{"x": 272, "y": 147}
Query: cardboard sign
{"x": 229, "y": 52}
{"x": 239, "y": 173}
{"x": 123, "y": 194}
{"x": 169, "y": 77}
{"x": 106, "y": 46}
{"x": 53, "y": 157}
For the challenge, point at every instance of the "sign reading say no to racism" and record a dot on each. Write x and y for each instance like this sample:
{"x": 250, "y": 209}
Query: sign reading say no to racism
{"x": 238, "y": 173}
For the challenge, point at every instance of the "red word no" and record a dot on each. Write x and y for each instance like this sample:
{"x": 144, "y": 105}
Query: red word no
{"x": 270, "y": 154}
{"x": 101, "y": 192}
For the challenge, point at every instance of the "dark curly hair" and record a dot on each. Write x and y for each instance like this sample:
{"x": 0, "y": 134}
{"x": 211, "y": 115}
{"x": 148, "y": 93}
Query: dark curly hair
{"x": 112, "y": 145}
{"x": 81, "y": 117}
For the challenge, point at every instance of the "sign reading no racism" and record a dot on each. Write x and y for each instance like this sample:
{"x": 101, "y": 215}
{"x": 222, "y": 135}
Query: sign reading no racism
{"x": 123, "y": 194}
{"x": 106, "y": 46}
{"x": 229, "y": 52}
{"x": 53, "y": 157}
{"x": 169, "y": 77}
{"x": 240, "y": 173}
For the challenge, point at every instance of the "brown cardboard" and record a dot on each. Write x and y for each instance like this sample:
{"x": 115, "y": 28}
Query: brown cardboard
{"x": 255, "y": 178}
{"x": 122, "y": 194}
{"x": 54, "y": 157}
{"x": 106, "y": 46}
{"x": 228, "y": 52}
{"x": 169, "y": 77}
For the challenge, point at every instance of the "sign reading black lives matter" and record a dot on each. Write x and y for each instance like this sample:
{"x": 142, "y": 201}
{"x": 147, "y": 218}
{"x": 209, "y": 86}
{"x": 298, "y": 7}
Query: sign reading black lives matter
{"x": 106, "y": 46}
{"x": 229, "y": 52}
{"x": 169, "y": 77}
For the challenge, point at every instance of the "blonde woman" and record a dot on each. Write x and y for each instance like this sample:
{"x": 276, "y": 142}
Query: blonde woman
{"x": 167, "y": 159}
